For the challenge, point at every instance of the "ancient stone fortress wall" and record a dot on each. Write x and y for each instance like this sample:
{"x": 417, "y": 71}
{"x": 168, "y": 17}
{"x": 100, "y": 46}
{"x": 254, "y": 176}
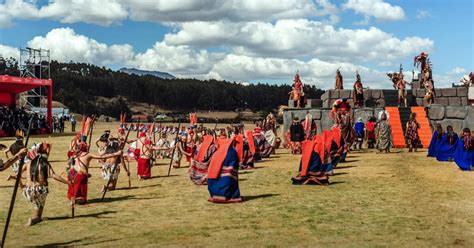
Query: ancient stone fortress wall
{"x": 457, "y": 96}
{"x": 323, "y": 120}
{"x": 458, "y": 117}
{"x": 372, "y": 98}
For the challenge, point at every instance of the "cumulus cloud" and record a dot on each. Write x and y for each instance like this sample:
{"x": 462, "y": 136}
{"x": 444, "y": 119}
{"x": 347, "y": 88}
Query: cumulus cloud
{"x": 9, "y": 52}
{"x": 377, "y": 9}
{"x": 456, "y": 70}
{"x": 66, "y": 45}
{"x": 179, "y": 60}
{"x": 107, "y": 12}
{"x": 421, "y": 14}
{"x": 315, "y": 72}
{"x": 299, "y": 38}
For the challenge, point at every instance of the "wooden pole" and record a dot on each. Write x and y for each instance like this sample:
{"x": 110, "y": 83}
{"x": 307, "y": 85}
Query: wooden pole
{"x": 174, "y": 148}
{"x": 15, "y": 189}
{"x": 115, "y": 167}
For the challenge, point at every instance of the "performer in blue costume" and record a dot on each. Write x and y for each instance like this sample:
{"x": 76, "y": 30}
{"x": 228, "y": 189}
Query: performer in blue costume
{"x": 223, "y": 181}
{"x": 435, "y": 140}
{"x": 464, "y": 155}
{"x": 447, "y": 146}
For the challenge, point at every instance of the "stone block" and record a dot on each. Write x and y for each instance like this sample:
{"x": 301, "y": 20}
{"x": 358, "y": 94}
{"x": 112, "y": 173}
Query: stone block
{"x": 334, "y": 94}
{"x": 291, "y": 104}
{"x": 325, "y": 96}
{"x": 314, "y": 103}
{"x": 420, "y": 93}
{"x": 436, "y": 112}
{"x": 320, "y": 127}
{"x": 345, "y": 94}
{"x": 415, "y": 85}
{"x": 326, "y": 103}
{"x": 420, "y": 102}
{"x": 449, "y": 92}
{"x": 377, "y": 94}
{"x": 456, "y": 112}
{"x": 380, "y": 103}
{"x": 441, "y": 100}
{"x": 326, "y": 121}
{"x": 469, "y": 121}
{"x": 316, "y": 113}
{"x": 367, "y": 94}
{"x": 454, "y": 101}
{"x": 455, "y": 123}
{"x": 464, "y": 101}
{"x": 461, "y": 91}
{"x": 287, "y": 119}
{"x": 363, "y": 113}
{"x": 437, "y": 92}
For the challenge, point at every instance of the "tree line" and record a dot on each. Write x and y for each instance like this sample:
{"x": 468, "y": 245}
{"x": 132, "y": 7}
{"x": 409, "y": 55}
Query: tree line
{"x": 79, "y": 85}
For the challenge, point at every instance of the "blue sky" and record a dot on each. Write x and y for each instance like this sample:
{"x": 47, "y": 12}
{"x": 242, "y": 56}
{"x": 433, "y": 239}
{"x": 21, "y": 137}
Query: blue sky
{"x": 243, "y": 40}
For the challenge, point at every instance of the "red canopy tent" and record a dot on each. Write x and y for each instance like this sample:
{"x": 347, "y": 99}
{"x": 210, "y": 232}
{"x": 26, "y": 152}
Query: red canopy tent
{"x": 10, "y": 87}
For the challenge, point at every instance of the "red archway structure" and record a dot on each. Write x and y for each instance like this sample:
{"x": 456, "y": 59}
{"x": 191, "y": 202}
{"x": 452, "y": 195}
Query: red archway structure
{"x": 10, "y": 87}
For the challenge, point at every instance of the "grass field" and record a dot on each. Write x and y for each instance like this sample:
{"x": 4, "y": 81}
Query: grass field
{"x": 397, "y": 200}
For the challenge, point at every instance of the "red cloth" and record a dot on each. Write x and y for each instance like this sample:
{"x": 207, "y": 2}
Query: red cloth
{"x": 79, "y": 187}
{"x": 336, "y": 134}
{"x": 208, "y": 139}
{"x": 218, "y": 159}
{"x": 308, "y": 147}
{"x": 240, "y": 146}
{"x": 251, "y": 142}
{"x": 144, "y": 168}
{"x": 327, "y": 139}
{"x": 190, "y": 151}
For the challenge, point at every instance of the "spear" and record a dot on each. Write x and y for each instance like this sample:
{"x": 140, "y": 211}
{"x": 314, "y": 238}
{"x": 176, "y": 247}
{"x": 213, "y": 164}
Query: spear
{"x": 15, "y": 189}
{"x": 115, "y": 166}
{"x": 174, "y": 148}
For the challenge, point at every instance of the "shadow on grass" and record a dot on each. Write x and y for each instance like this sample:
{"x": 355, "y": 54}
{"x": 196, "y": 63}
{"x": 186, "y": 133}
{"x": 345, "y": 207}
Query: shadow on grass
{"x": 75, "y": 242}
{"x": 339, "y": 173}
{"x": 241, "y": 171}
{"x": 254, "y": 197}
{"x": 94, "y": 215}
{"x": 120, "y": 198}
{"x": 344, "y": 167}
{"x": 350, "y": 161}
{"x": 7, "y": 186}
{"x": 336, "y": 182}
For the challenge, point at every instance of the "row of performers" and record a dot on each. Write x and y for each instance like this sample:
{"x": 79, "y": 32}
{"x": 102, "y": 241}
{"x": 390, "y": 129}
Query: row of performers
{"x": 215, "y": 161}
{"x": 448, "y": 146}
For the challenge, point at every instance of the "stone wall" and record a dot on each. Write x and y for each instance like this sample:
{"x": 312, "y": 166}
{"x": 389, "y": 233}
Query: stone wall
{"x": 458, "y": 117}
{"x": 322, "y": 117}
{"x": 372, "y": 98}
{"x": 446, "y": 96}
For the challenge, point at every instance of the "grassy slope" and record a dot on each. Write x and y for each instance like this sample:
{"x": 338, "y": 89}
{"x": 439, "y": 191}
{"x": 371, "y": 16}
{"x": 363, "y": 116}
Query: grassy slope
{"x": 398, "y": 199}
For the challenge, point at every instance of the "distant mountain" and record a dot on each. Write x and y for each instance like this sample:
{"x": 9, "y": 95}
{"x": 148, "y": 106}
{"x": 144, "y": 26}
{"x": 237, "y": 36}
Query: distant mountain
{"x": 163, "y": 75}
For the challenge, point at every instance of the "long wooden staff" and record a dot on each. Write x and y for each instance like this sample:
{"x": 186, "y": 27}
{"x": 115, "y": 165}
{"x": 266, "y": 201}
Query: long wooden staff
{"x": 115, "y": 166}
{"x": 154, "y": 140}
{"x": 92, "y": 130}
{"x": 174, "y": 148}
{"x": 215, "y": 129}
{"x": 15, "y": 189}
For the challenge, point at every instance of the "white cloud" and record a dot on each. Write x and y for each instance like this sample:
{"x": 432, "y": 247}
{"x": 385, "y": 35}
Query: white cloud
{"x": 456, "y": 70}
{"x": 8, "y": 51}
{"x": 314, "y": 72}
{"x": 299, "y": 38}
{"x": 107, "y": 12}
{"x": 103, "y": 12}
{"x": 378, "y": 9}
{"x": 179, "y": 60}
{"x": 234, "y": 10}
{"x": 66, "y": 45}
{"x": 421, "y": 14}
